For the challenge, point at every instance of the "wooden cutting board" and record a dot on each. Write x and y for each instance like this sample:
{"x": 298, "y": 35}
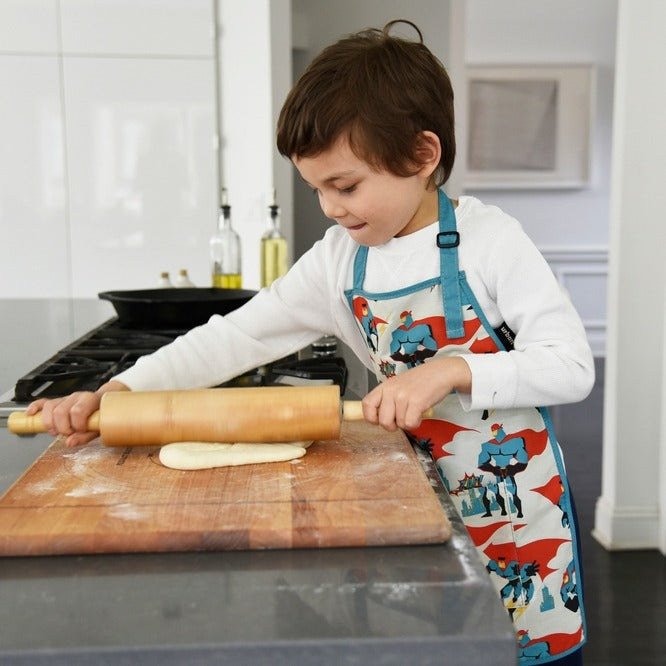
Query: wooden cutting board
{"x": 367, "y": 489}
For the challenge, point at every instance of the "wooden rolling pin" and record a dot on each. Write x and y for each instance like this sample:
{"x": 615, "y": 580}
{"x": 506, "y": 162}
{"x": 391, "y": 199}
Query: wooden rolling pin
{"x": 262, "y": 414}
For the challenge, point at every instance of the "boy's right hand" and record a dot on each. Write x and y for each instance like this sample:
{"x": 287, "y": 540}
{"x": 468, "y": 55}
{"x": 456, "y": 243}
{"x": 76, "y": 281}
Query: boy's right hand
{"x": 68, "y": 416}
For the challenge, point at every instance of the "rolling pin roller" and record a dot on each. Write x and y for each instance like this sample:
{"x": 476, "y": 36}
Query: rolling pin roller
{"x": 265, "y": 414}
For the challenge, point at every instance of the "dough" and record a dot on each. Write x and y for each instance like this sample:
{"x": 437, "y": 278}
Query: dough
{"x": 204, "y": 455}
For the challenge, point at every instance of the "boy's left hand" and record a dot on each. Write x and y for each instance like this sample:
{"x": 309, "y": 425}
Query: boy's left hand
{"x": 400, "y": 401}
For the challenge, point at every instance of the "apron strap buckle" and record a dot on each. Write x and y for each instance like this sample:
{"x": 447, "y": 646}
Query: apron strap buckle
{"x": 442, "y": 241}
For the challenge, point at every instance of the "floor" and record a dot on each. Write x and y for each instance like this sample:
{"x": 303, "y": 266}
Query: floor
{"x": 625, "y": 591}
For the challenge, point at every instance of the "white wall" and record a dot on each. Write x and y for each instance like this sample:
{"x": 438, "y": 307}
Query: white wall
{"x": 255, "y": 59}
{"x": 569, "y": 226}
{"x": 631, "y": 511}
{"x": 661, "y": 457}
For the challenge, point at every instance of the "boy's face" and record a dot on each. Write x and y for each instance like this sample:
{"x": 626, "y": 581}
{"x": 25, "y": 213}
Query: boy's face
{"x": 373, "y": 206}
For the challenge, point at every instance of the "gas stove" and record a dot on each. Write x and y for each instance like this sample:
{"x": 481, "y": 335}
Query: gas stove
{"x": 95, "y": 357}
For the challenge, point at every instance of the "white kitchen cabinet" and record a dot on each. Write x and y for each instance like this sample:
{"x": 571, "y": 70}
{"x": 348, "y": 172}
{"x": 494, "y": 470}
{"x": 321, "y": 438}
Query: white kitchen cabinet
{"x": 142, "y": 169}
{"x": 143, "y": 27}
{"x": 108, "y": 162}
{"x": 28, "y": 26}
{"x": 33, "y": 200}
{"x": 109, "y": 158}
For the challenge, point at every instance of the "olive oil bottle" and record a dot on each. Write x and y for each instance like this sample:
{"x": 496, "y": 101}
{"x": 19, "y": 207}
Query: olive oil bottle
{"x": 225, "y": 250}
{"x": 274, "y": 248}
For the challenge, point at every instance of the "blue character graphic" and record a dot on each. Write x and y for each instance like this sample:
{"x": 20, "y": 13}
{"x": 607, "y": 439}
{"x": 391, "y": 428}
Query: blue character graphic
{"x": 519, "y": 588}
{"x": 531, "y": 650}
{"x": 413, "y": 342}
{"x": 504, "y": 456}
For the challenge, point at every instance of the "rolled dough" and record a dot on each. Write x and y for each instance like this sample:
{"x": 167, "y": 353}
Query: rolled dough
{"x": 205, "y": 455}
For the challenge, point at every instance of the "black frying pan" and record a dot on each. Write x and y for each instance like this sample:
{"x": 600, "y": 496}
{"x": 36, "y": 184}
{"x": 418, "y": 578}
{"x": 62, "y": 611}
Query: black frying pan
{"x": 174, "y": 307}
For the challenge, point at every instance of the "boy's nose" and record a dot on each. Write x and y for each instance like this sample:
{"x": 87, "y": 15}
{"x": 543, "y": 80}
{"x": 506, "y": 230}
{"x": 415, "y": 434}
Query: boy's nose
{"x": 332, "y": 209}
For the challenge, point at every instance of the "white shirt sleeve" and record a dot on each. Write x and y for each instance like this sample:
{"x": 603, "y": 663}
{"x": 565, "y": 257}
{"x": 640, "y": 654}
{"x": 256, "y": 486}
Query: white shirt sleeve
{"x": 292, "y": 313}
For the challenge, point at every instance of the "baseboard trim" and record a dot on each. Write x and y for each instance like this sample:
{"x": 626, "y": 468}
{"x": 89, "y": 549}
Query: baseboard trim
{"x": 626, "y": 528}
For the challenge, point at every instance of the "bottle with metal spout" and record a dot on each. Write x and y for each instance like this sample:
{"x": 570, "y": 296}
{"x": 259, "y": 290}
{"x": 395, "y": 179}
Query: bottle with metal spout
{"x": 183, "y": 279}
{"x": 225, "y": 250}
{"x": 274, "y": 248}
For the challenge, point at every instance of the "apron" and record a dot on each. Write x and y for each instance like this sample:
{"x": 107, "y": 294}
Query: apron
{"x": 503, "y": 468}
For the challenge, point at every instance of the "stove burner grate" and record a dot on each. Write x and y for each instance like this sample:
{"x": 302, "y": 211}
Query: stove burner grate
{"x": 107, "y": 350}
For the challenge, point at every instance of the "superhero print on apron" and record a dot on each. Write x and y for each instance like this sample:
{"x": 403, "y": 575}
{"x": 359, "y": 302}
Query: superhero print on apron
{"x": 502, "y": 469}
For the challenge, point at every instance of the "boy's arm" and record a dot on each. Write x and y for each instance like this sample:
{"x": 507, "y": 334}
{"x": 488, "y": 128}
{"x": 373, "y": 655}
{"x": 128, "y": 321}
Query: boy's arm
{"x": 400, "y": 401}
{"x": 275, "y": 323}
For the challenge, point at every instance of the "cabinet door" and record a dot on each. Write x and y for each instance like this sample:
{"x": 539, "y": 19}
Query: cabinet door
{"x": 142, "y": 169}
{"x": 128, "y": 27}
{"x": 33, "y": 211}
{"x": 29, "y": 26}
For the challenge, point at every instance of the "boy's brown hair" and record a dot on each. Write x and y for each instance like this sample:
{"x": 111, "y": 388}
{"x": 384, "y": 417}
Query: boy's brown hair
{"x": 379, "y": 89}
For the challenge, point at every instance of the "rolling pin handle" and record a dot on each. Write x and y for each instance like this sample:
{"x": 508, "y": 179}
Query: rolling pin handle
{"x": 93, "y": 422}
{"x": 352, "y": 410}
{"x": 21, "y": 424}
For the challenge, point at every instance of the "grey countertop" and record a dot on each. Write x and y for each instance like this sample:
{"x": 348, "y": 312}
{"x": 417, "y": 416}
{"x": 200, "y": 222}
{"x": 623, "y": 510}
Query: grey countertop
{"x": 389, "y": 605}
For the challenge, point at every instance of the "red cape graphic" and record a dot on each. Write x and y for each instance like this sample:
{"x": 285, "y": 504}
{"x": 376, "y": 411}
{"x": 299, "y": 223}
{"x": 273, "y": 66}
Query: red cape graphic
{"x": 439, "y": 433}
{"x": 484, "y": 346}
{"x": 541, "y": 551}
{"x": 552, "y": 490}
{"x": 558, "y": 643}
{"x": 481, "y": 534}
{"x": 535, "y": 442}
{"x": 358, "y": 307}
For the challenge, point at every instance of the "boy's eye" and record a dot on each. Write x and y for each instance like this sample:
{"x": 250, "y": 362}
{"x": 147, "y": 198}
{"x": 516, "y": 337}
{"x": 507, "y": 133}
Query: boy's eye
{"x": 348, "y": 190}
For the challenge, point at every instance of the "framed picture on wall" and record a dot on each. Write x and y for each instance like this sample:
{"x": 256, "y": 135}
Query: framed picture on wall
{"x": 529, "y": 126}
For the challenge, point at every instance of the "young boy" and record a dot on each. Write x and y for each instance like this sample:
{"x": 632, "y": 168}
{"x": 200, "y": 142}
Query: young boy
{"x": 448, "y": 302}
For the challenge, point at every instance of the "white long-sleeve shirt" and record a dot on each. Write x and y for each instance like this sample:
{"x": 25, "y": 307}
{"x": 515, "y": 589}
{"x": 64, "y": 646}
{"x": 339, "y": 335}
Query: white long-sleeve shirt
{"x": 551, "y": 362}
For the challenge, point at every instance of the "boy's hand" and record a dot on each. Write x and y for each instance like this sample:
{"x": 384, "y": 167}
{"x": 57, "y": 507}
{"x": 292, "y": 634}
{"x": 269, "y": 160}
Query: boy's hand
{"x": 68, "y": 416}
{"x": 400, "y": 401}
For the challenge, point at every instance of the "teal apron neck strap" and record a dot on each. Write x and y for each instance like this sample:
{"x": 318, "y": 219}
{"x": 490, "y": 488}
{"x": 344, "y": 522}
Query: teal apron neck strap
{"x": 360, "y": 261}
{"x": 448, "y": 240}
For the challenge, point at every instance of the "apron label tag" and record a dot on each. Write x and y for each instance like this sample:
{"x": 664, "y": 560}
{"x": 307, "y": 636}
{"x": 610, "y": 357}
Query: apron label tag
{"x": 506, "y": 336}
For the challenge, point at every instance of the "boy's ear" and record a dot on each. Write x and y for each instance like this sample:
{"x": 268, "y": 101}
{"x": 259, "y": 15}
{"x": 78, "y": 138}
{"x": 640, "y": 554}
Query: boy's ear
{"x": 427, "y": 152}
